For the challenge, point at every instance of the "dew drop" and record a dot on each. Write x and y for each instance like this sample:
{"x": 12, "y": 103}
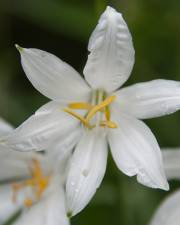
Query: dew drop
{"x": 138, "y": 96}
{"x": 72, "y": 183}
{"x": 76, "y": 190}
{"x": 85, "y": 173}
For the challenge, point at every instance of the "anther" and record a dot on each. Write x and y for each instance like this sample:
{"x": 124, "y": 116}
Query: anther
{"x": 28, "y": 202}
{"x": 107, "y": 113}
{"x": 109, "y": 124}
{"x": 80, "y": 105}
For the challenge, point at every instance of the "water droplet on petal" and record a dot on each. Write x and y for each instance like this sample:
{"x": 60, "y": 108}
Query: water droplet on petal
{"x": 85, "y": 173}
{"x": 76, "y": 190}
{"x": 72, "y": 183}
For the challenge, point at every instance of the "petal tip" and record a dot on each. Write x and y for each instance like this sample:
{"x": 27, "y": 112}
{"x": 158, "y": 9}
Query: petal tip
{"x": 110, "y": 9}
{"x": 19, "y": 48}
{"x": 166, "y": 187}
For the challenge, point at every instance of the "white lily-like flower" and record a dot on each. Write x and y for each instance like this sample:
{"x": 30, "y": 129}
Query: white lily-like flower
{"x": 92, "y": 113}
{"x": 33, "y": 184}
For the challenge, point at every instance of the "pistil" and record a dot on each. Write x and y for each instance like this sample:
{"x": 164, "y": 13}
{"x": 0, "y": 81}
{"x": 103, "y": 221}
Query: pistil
{"x": 99, "y": 107}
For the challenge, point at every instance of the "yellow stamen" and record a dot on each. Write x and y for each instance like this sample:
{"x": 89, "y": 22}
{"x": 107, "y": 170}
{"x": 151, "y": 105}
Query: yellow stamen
{"x": 28, "y": 202}
{"x": 36, "y": 169}
{"x": 77, "y": 116}
{"x": 99, "y": 107}
{"x": 80, "y": 105}
{"x": 102, "y": 107}
{"x": 107, "y": 113}
{"x": 39, "y": 183}
{"x": 109, "y": 124}
{"x": 42, "y": 185}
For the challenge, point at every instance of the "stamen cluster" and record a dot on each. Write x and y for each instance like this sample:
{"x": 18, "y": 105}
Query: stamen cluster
{"x": 101, "y": 106}
{"x": 39, "y": 182}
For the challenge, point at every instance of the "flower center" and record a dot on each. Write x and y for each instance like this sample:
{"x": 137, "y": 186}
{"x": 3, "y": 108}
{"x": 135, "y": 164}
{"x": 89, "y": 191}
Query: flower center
{"x": 98, "y": 111}
{"x": 38, "y": 183}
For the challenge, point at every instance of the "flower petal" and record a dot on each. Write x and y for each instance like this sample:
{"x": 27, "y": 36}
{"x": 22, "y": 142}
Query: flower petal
{"x": 169, "y": 211}
{"x": 171, "y": 157}
{"x": 7, "y": 207}
{"x": 14, "y": 165}
{"x": 50, "y": 210}
{"x": 111, "y": 57}
{"x": 150, "y": 99}
{"x": 41, "y": 129}
{"x": 5, "y": 127}
{"x": 53, "y": 77}
{"x": 63, "y": 147}
{"x": 136, "y": 151}
{"x": 87, "y": 169}
{"x": 50, "y": 107}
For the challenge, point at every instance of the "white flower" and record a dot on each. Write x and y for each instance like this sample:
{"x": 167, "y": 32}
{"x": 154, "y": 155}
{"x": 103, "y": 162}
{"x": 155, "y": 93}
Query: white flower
{"x": 168, "y": 212}
{"x": 92, "y": 113}
{"x": 171, "y": 159}
{"x": 32, "y": 183}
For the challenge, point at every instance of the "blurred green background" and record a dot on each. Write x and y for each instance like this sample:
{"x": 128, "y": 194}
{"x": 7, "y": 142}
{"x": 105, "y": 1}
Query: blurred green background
{"x": 63, "y": 27}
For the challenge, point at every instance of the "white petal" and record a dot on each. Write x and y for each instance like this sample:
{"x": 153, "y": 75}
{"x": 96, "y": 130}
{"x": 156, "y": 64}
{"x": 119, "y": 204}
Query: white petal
{"x": 150, "y": 99}
{"x": 50, "y": 107}
{"x": 168, "y": 212}
{"x": 14, "y": 165}
{"x": 171, "y": 157}
{"x": 136, "y": 152}
{"x": 40, "y": 130}
{"x": 87, "y": 169}
{"x": 53, "y": 77}
{"x": 5, "y": 127}
{"x": 56, "y": 213}
{"x": 64, "y": 146}
{"x": 7, "y": 207}
{"x": 111, "y": 57}
{"x": 49, "y": 211}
